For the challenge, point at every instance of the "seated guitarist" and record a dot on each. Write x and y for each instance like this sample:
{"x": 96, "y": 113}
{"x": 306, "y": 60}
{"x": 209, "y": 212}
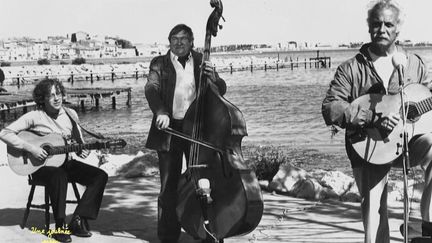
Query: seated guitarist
{"x": 371, "y": 71}
{"x": 51, "y": 117}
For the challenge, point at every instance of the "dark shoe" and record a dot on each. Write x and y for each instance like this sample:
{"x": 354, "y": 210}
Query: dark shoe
{"x": 78, "y": 227}
{"x": 60, "y": 237}
{"x": 413, "y": 230}
{"x": 426, "y": 229}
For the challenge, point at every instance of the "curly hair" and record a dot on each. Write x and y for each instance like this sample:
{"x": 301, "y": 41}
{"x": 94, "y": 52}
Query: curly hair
{"x": 43, "y": 90}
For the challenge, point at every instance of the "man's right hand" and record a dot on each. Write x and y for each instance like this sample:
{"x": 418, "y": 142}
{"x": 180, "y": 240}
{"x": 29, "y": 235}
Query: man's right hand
{"x": 38, "y": 153}
{"x": 387, "y": 121}
{"x": 162, "y": 121}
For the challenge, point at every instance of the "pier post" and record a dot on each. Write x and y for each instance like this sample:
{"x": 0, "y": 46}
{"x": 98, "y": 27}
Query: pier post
{"x": 18, "y": 81}
{"x": 91, "y": 76}
{"x": 112, "y": 74}
{"x": 129, "y": 97}
{"x": 113, "y": 102}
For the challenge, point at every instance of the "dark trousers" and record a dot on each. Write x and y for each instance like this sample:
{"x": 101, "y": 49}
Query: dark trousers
{"x": 170, "y": 165}
{"x": 57, "y": 179}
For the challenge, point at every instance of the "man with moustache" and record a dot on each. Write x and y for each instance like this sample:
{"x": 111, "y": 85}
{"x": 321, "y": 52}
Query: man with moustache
{"x": 170, "y": 90}
{"x": 372, "y": 71}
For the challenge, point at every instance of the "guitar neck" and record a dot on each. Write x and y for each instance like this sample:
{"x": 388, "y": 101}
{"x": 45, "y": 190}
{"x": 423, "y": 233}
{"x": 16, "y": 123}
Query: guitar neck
{"x": 73, "y": 148}
{"x": 424, "y": 106}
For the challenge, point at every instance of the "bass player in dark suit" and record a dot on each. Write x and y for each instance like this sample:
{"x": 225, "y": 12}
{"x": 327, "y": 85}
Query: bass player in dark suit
{"x": 372, "y": 71}
{"x": 51, "y": 117}
{"x": 170, "y": 90}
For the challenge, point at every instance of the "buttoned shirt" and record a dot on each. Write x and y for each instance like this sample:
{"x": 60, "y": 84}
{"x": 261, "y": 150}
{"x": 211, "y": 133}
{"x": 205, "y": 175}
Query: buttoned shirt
{"x": 184, "y": 93}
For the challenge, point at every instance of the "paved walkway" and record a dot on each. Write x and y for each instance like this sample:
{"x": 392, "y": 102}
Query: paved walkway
{"x": 128, "y": 214}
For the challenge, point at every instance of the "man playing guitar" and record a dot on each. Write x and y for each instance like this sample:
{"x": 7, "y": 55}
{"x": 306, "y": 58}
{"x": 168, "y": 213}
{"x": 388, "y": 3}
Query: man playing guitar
{"x": 51, "y": 117}
{"x": 371, "y": 72}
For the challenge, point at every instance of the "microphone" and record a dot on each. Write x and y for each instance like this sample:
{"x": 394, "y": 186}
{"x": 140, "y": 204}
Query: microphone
{"x": 204, "y": 189}
{"x": 203, "y": 193}
{"x": 400, "y": 61}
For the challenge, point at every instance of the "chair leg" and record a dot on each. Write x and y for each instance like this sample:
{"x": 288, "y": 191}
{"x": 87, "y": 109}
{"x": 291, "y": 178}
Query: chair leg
{"x": 76, "y": 192}
{"x": 47, "y": 213}
{"x": 27, "y": 211}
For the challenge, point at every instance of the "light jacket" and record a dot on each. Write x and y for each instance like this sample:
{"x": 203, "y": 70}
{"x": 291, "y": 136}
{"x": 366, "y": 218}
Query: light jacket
{"x": 356, "y": 77}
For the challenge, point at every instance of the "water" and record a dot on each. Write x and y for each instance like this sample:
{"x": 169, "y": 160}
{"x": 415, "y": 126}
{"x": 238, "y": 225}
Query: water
{"x": 281, "y": 108}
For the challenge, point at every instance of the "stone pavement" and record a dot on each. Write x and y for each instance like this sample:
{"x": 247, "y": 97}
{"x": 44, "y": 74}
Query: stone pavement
{"x": 129, "y": 212}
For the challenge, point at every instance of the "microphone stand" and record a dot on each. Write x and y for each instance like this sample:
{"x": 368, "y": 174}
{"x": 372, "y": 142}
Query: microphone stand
{"x": 405, "y": 154}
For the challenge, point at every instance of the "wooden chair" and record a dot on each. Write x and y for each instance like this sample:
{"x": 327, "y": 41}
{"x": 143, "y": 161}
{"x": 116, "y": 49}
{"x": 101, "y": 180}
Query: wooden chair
{"x": 33, "y": 183}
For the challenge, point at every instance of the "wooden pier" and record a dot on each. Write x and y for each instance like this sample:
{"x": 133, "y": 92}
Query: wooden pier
{"x": 24, "y": 100}
{"x": 95, "y": 94}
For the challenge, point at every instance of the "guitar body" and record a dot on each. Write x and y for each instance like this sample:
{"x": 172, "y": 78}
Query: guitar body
{"x": 378, "y": 147}
{"x": 24, "y": 163}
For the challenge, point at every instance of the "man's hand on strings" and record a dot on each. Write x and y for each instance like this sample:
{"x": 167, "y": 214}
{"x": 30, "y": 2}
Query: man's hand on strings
{"x": 83, "y": 153}
{"x": 209, "y": 71}
{"x": 162, "y": 121}
{"x": 387, "y": 121}
{"x": 38, "y": 153}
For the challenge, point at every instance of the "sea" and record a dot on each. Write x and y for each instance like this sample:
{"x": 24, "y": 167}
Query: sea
{"x": 282, "y": 108}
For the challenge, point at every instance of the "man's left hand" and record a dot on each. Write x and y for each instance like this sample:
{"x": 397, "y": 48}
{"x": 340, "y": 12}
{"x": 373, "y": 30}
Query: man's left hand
{"x": 209, "y": 71}
{"x": 83, "y": 153}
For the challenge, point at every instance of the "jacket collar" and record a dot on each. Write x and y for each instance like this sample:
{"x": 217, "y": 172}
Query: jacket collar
{"x": 364, "y": 53}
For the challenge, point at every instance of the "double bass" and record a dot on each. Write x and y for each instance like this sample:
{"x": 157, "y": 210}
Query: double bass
{"x": 218, "y": 195}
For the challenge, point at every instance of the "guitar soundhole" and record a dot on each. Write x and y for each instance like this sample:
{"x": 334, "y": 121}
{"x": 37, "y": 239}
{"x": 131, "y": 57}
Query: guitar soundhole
{"x": 413, "y": 114}
{"x": 48, "y": 149}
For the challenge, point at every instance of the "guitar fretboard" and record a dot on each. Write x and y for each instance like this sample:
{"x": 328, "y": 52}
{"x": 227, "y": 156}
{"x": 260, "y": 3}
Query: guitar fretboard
{"x": 75, "y": 148}
{"x": 424, "y": 106}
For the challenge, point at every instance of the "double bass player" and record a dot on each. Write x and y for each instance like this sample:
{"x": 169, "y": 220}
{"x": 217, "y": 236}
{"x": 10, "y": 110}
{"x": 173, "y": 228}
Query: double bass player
{"x": 170, "y": 90}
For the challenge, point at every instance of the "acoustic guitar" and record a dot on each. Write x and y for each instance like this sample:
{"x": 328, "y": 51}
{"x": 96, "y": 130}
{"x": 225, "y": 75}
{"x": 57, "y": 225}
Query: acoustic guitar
{"x": 23, "y": 163}
{"x": 378, "y": 147}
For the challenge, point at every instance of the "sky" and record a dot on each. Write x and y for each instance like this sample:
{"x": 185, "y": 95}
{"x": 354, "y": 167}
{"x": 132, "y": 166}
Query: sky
{"x": 247, "y": 21}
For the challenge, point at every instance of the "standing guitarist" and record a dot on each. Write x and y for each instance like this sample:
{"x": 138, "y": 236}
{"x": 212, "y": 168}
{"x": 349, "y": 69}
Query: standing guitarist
{"x": 371, "y": 71}
{"x": 51, "y": 117}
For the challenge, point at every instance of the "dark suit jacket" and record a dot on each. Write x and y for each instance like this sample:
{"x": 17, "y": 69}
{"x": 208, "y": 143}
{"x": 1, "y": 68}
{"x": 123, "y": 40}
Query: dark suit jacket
{"x": 159, "y": 92}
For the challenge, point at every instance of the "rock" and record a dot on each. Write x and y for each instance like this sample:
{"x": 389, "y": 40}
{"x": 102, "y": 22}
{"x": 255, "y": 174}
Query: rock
{"x": 352, "y": 195}
{"x": 143, "y": 164}
{"x": 285, "y": 179}
{"x": 309, "y": 189}
{"x": 337, "y": 181}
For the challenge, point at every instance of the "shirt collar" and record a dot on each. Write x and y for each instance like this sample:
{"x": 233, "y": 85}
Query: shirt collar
{"x": 174, "y": 57}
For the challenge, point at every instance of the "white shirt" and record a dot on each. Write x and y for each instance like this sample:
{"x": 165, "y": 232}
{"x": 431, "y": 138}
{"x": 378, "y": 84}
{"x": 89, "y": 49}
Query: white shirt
{"x": 184, "y": 93}
{"x": 384, "y": 67}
